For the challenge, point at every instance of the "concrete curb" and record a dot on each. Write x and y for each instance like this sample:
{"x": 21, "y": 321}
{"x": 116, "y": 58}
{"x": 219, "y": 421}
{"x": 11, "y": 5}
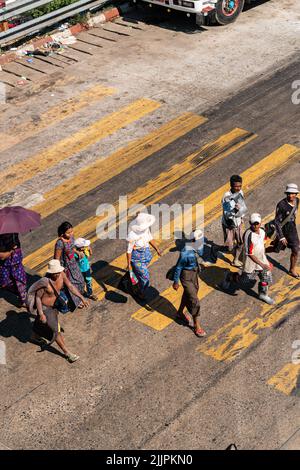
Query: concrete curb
{"x": 68, "y": 36}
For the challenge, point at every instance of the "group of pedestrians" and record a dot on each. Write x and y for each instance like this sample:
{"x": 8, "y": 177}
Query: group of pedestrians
{"x": 67, "y": 284}
{"x": 247, "y": 244}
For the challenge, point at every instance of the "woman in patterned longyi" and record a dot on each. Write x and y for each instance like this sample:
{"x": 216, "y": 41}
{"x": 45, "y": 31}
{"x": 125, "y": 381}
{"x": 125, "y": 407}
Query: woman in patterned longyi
{"x": 12, "y": 272}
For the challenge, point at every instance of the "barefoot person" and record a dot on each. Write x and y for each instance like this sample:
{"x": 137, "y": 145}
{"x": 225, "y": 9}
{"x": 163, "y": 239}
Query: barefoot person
{"x": 187, "y": 271}
{"x": 45, "y": 299}
{"x": 65, "y": 252}
{"x": 255, "y": 264}
{"x": 138, "y": 251}
{"x": 286, "y": 228}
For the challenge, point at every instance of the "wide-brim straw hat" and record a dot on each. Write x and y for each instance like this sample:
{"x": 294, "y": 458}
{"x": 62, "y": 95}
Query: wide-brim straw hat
{"x": 196, "y": 234}
{"x": 142, "y": 222}
{"x": 54, "y": 267}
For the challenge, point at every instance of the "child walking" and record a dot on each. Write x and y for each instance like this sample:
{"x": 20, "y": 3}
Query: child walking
{"x": 83, "y": 247}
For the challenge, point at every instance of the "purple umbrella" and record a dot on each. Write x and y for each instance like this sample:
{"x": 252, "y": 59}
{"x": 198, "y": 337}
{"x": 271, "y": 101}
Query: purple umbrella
{"x": 17, "y": 219}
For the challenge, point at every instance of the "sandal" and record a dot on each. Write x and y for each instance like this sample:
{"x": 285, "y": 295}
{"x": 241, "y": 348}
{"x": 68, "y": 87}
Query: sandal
{"x": 200, "y": 333}
{"x": 183, "y": 317}
{"x": 93, "y": 297}
{"x": 72, "y": 357}
{"x": 296, "y": 276}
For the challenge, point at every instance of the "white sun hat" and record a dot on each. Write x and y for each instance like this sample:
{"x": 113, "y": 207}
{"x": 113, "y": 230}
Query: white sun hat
{"x": 54, "y": 267}
{"x": 142, "y": 222}
{"x": 292, "y": 188}
{"x": 82, "y": 242}
{"x": 196, "y": 241}
{"x": 197, "y": 234}
{"x": 255, "y": 217}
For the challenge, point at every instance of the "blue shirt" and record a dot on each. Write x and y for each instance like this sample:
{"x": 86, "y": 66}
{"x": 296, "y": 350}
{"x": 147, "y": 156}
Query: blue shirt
{"x": 84, "y": 264}
{"x": 187, "y": 260}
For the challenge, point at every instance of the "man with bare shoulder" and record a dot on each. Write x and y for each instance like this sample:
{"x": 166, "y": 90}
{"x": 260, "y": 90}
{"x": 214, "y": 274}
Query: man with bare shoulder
{"x": 46, "y": 299}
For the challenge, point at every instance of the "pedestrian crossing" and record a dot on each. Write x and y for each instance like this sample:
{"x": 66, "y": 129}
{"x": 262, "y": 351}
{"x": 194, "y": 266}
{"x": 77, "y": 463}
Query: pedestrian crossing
{"x": 116, "y": 163}
{"x": 233, "y": 338}
{"x": 20, "y": 172}
{"x": 254, "y": 177}
{"x": 54, "y": 115}
{"x": 156, "y": 189}
{"x": 286, "y": 380}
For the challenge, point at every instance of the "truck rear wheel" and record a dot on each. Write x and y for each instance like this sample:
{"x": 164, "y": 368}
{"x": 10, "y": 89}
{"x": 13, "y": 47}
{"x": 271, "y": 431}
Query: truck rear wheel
{"x": 227, "y": 11}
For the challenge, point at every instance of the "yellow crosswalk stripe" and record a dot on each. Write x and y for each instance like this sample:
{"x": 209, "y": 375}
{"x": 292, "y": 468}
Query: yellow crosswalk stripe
{"x": 161, "y": 312}
{"x": 27, "y": 169}
{"x": 105, "y": 169}
{"x": 242, "y": 331}
{"x": 252, "y": 178}
{"x": 287, "y": 379}
{"x": 54, "y": 115}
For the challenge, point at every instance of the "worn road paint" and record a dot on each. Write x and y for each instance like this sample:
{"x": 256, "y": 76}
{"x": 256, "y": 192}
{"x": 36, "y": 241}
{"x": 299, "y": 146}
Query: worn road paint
{"x": 242, "y": 331}
{"x": 27, "y": 169}
{"x": 54, "y": 115}
{"x": 156, "y": 189}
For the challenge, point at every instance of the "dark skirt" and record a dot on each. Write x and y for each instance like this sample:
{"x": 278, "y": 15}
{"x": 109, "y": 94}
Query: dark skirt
{"x": 291, "y": 234}
{"x": 48, "y": 330}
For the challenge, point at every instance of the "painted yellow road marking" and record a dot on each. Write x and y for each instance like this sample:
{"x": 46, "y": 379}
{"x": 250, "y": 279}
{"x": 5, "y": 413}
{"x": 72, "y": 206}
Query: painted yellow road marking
{"x": 105, "y": 169}
{"x": 27, "y": 169}
{"x": 54, "y": 115}
{"x": 287, "y": 379}
{"x": 241, "y": 332}
{"x": 158, "y": 188}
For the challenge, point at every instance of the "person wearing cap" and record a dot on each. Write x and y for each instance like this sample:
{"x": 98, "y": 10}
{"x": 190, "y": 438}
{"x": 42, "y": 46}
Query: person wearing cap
{"x": 84, "y": 246}
{"x": 187, "y": 271}
{"x": 255, "y": 265}
{"x": 286, "y": 228}
{"x": 234, "y": 210}
{"x": 45, "y": 300}
{"x": 138, "y": 250}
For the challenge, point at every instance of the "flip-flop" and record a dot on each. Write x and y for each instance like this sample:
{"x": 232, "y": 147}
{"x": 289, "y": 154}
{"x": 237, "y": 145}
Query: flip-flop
{"x": 296, "y": 276}
{"x": 183, "y": 318}
{"x": 200, "y": 333}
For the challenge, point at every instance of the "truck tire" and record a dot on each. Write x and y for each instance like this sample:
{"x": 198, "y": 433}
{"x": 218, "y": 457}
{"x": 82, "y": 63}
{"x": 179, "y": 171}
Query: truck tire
{"x": 227, "y": 11}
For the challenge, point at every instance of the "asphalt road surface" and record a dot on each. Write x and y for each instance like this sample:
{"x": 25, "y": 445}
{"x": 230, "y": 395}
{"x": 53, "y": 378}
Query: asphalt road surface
{"x": 162, "y": 113}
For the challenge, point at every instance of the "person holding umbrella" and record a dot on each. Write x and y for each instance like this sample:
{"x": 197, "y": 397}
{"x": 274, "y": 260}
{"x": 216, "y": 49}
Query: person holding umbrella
{"x": 14, "y": 220}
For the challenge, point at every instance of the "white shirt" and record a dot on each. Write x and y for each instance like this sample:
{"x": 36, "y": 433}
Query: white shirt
{"x": 228, "y": 205}
{"x": 138, "y": 240}
{"x": 254, "y": 244}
